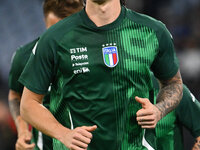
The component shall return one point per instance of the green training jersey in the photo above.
(19, 60)
(96, 72)
(169, 129)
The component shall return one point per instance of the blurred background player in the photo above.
(169, 130)
(54, 11)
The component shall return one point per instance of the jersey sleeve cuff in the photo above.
(169, 75)
(16, 89)
(31, 88)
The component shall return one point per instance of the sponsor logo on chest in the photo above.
(79, 59)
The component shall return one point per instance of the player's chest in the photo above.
(90, 51)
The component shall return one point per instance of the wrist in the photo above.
(61, 132)
(159, 112)
(22, 126)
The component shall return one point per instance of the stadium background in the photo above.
(21, 21)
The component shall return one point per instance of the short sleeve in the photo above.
(188, 112)
(165, 65)
(38, 72)
(15, 72)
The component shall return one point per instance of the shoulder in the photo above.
(27, 48)
(147, 21)
(23, 52)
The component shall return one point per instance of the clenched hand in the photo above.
(79, 138)
(149, 115)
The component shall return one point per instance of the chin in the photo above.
(99, 1)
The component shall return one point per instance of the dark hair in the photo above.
(123, 2)
(62, 8)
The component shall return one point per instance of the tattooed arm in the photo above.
(170, 94)
(14, 105)
(168, 98)
(24, 135)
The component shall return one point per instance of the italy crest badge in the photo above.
(110, 56)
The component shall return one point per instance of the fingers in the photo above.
(148, 126)
(80, 144)
(22, 145)
(144, 101)
(27, 139)
(140, 100)
(90, 128)
(81, 137)
(144, 112)
(74, 147)
(30, 146)
(147, 121)
(25, 146)
(23, 142)
(148, 116)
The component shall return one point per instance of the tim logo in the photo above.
(110, 56)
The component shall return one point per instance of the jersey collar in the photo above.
(90, 24)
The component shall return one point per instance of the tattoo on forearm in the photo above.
(170, 95)
(14, 106)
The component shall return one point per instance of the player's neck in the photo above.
(103, 14)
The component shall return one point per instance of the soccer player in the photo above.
(54, 11)
(99, 62)
(169, 129)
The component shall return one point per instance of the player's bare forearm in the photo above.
(38, 116)
(14, 106)
(24, 135)
(170, 94)
(14, 103)
(197, 144)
